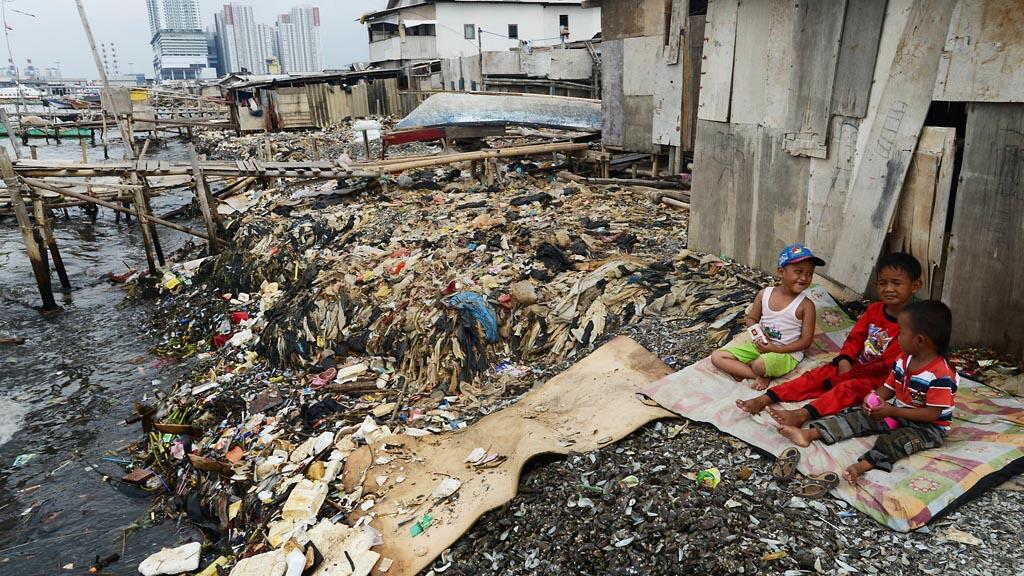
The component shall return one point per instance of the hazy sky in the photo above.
(54, 34)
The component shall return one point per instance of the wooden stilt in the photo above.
(112, 205)
(33, 152)
(206, 202)
(146, 193)
(38, 266)
(142, 213)
(45, 233)
(90, 209)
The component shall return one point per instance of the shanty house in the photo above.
(415, 31)
(862, 126)
(285, 102)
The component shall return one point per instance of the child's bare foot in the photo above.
(754, 405)
(800, 436)
(789, 417)
(762, 383)
(854, 472)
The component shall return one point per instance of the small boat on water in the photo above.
(20, 93)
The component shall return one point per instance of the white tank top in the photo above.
(782, 327)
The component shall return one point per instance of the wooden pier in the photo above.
(46, 185)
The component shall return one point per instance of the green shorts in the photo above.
(775, 364)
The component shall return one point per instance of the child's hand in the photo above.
(766, 348)
(881, 411)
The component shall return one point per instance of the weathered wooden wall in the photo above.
(983, 60)
(651, 59)
(984, 279)
(742, 204)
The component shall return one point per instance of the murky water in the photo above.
(65, 393)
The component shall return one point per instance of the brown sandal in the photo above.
(785, 464)
(818, 485)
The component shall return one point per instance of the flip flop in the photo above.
(817, 486)
(785, 464)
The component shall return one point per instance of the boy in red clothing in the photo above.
(865, 359)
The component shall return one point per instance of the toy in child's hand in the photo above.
(873, 401)
(757, 334)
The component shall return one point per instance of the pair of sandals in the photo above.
(814, 486)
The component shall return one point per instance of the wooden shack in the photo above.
(650, 66)
(868, 125)
(312, 101)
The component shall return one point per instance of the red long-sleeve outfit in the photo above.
(871, 347)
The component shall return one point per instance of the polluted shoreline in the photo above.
(347, 314)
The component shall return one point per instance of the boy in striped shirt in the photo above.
(923, 385)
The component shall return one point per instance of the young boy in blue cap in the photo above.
(786, 317)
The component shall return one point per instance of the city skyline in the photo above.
(125, 24)
(292, 45)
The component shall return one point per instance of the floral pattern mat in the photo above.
(986, 437)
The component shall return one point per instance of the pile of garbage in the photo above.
(338, 140)
(340, 316)
(543, 268)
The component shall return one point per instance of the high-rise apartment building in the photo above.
(292, 45)
(300, 48)
(243, 46)
(179, 43)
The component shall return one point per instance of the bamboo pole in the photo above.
(43, 185)
(38, 267)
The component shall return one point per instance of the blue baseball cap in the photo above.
(798, 253)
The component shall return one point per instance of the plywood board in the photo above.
(631, 19)
(502, 63)
(983, 53)
(984, 279)
(691, 81)
(571, 65)
(819, 26)
(716, 72)
(588, 406)
(668, 103)
(612, 103)
(913, 227)
(862, 30)
(636, 133)
(828, 184)
(903, 104)
(676, 25)
(940, 214)
(763, 62)
(747, 195)
(641, 65)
